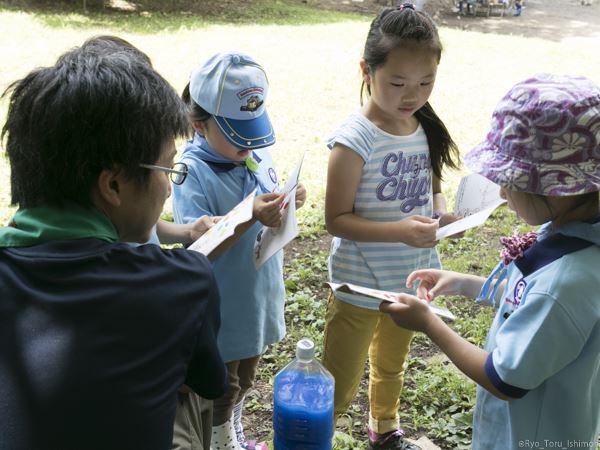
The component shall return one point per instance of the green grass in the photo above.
(173, 16)
(438, 399)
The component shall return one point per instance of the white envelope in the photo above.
(476, 198)
(384, 296)
(225, 228)
(270, 240)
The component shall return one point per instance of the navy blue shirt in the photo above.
(95, 340)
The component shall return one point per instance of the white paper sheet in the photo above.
(385, 296)
(476, 198)
(270, 240)
(475, 193)
(225, 227)
(472, 221)
(294, 177)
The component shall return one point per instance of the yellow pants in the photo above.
(352, 333)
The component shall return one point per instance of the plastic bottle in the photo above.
(303, 403)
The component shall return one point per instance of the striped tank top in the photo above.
(395, 184)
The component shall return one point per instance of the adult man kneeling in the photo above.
(97, 336)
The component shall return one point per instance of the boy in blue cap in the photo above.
(227, 160)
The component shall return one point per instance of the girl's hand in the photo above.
(448, 218)
(267, 209)
(418, 231)
(201, 226)
(300, 195)
(434, 282)
(409, 312)
(443, 282)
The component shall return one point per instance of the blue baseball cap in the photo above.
(233, 88)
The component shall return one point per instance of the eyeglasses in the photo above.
(177, 173)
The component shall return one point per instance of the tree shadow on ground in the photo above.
(553, 20)
(153, 16)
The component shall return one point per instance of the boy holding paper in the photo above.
(227, 160)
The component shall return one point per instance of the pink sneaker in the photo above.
(393, 440)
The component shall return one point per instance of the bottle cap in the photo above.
(305, 350)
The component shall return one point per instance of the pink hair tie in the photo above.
(406, 5)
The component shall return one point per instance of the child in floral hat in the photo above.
(539, 373)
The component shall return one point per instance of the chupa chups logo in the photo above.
(252, 104)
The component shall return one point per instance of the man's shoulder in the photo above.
(175, 258)
(102, 268)
(176, 272)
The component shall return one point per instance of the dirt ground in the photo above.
(554, 20)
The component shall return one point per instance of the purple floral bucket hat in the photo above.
(545, 138)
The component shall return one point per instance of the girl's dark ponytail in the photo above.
(443, 150)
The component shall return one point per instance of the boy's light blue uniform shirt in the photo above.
(252, 301)
(544, 345)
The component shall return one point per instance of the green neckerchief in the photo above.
(251, 164)
(41, 224)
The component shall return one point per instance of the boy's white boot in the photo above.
(224, 437)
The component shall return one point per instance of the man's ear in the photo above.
(199, 126)
(364, 70)
(110, 186)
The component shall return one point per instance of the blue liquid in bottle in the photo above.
(303, 403)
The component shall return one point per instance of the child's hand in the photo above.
(419, 231)
(267, 209)
(201, 226)
(448, 218)
(300, 195)
(409, 312)
(434, 282)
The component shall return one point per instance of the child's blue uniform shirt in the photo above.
(252, 301)
(544, 348)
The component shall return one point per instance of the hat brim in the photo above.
(544, 179)
(247, 134)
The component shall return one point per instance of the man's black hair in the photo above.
(89, 112)
(111, 44)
